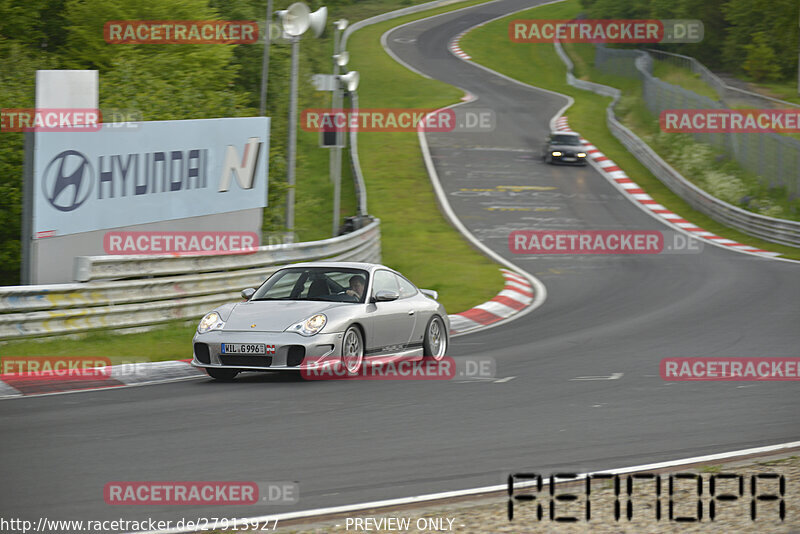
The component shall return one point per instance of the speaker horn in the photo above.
(350, 80)
(295, 19)
(317, 21)
(342, 58)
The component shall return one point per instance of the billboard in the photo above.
(147, 172)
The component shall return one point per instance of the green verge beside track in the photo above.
(540, 66)
(416, 238)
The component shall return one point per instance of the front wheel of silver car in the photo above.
(353, 350)
(435, 342)
(222, 374)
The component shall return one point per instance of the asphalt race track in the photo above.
(350, 442)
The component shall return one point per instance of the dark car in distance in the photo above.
(564, 147)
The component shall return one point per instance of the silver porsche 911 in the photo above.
(317, 315)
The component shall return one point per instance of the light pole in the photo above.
(295, 21)
(340, 59)
(349, 82)
(265, 60)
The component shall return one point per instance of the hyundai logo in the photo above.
(68, 180)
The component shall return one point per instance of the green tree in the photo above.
(37, 24)
(776, 20)
(18, 67)
(760, 62)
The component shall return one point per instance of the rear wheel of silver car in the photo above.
(435, 343)
(353, 350)
(222, 374)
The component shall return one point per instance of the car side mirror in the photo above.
(247, 293)
(386, 295)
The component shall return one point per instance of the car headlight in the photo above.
(310, 326)
(581, 154)
(556, 153)
(211, 321)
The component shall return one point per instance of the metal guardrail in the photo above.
(768, 228)
(393, 15)
(355, 163)
(197, 284)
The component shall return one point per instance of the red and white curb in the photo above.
(456, 49)
(515, 296)
(616, 175)
(115, 376)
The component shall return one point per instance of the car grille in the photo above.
(201, 352)
(295, 355)
(244, 360)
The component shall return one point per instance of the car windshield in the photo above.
(562, 139)
(333, 284)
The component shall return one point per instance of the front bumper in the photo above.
(569, 159)
(292, 352)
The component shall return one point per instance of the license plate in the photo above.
(570, 159)
(244, 348)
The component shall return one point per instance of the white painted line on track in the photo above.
(8, 392)
(486, 489)
(614, 376)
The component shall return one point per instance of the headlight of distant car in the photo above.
(581, 154)
(556, 153)
(212, 321)
(310, 326)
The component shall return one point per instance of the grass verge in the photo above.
(683, 78)
(539, 65)
(173, 341)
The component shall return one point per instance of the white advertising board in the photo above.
(144, 172)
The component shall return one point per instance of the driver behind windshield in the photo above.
(356, 287)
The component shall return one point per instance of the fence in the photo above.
(729, 95)
(632, 62)
(774, 158)
(135, 291)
